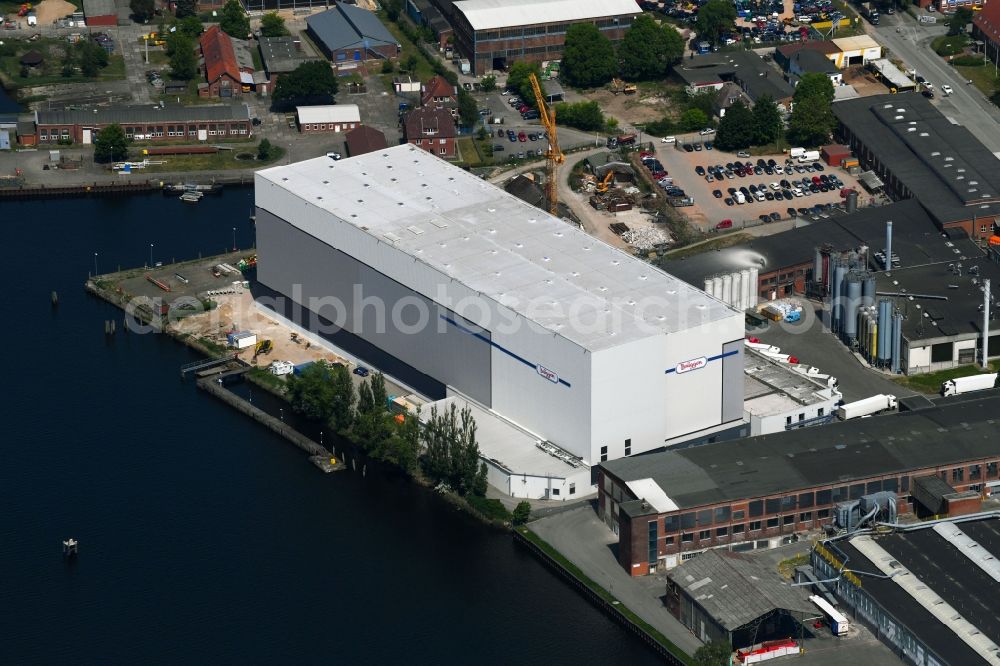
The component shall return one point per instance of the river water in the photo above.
(203, 536)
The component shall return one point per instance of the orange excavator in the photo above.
(609, 179)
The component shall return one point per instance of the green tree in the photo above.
(648, 50)
(693, 119)
(488, 83)
(715, 18)
(234, 21)
(183, 63)
(110, 144)
(452, 453)
(311, 393)
(312, 79)
(588, 57)
(264, 149)
(388, 66)
(142, 10)
(272, 25)
(959, 21)
(518, 80)
(191, 26)
(814, 84)
(812, 120)
(468, 110)
(411, 62)
(185, 8)
(92, 57)
(704, 102)
(736, 129)
(715, 653)
(342, 416)
(405, 444)
(522, 512)
(767, 124)
(586, 116)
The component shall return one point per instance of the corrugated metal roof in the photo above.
(736, 590)
(145, 114)
(493, 14)
(94, 8)
(329, 113)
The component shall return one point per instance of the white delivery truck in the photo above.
(809, 156)
(867, 407)
(961, 385)
(796, 152)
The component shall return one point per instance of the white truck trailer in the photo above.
(962, 385)
(867, 407)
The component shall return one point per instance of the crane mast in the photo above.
(553, 156)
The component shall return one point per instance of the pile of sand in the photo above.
(50, 10)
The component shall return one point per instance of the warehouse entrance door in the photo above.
(86, 136)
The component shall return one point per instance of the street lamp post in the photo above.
(95, 264)
(234, 239)
(150, 255)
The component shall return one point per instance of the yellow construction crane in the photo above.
(554, 157)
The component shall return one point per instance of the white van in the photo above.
(740, 199)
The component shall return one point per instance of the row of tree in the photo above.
(740, 127)
(233, 19)
(325, 393)
(647, 51)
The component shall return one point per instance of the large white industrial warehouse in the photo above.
(461, 290)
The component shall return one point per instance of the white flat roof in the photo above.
(856, 43)
(329, 113)
(506, 250)
(506, 444)
(491, 14)
(650, 491)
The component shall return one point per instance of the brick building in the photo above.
(493, 34)
(225, 74)
(100, 13)
(760, 492)
(363, 140)
(328, 118)
(986, 27)
(195, 123)
(432, 129)
(438, 93)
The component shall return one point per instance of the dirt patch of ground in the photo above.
(642, 107)
(864, 82)
(48, 11)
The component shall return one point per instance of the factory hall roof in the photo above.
(329, 113)
(943, 165)
(346, 27)
(735, 589)
(754, 75)
(281, 55)
(504, 249)
(813, 61)
(494, 14)
(145, 114)
(943, 585)
(838, 453)
(93, 8)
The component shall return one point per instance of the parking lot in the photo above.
(710, 205)
(500, 108)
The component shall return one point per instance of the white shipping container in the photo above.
(866, 407)
(962, 385)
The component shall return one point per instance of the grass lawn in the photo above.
(931, 382)
(50, 71)
(470, 156)
(258, 64)
(604, 594)
(423, 70)
(157, 58)
(984, 78)
(949, 44)
(224, 159)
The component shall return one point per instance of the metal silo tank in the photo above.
(738, 292)
(837, 301)
(852, 201)
(818, 266)
(717, 287)
(708, 286)
(884, 330)
(727, 288)
(754, 286)
(747, 289)
(868, 291)
(897, 341)
(851, 306)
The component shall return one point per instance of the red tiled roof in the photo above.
(988, 20)
(438, 122)
(437, 87)
(220, 57)
(364, 139)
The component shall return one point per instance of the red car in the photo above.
(847, 190)
(725, 224)
(523, 108)
(522, 137)
(816, 180)
(659, 174)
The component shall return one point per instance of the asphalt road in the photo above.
(966, 106)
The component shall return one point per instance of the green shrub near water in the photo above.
(492, 509)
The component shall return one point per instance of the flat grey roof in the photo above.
(754, 75)
(145, 114)
(944, 166)
(283, 54)
(501, 247)
(735, 589)
(838, 453)
(99, 8)
(495, 14)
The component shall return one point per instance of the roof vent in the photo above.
(972, 182)
(949, 159)
(935, 153)
(924, 133)
(898, 118)
(911, 129)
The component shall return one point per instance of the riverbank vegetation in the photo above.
(442, 452)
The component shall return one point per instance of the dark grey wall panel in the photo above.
(360, 299)
(732, 381)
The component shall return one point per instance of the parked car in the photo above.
(946, 89)
(725, 224)
(522, 137)
(362, 371)
(498, 148)
(707, 131)
(668, 139)
(717, 194)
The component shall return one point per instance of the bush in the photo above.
(663, 127)
(949, 45)
(264, 150)
(968, 61)
(491, 509)
(522, 512)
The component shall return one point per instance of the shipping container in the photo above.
(962, 385)
(834, 155)
(241, 339)
(866, 407)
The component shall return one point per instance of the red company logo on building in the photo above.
(693, 364)
(548, 374)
